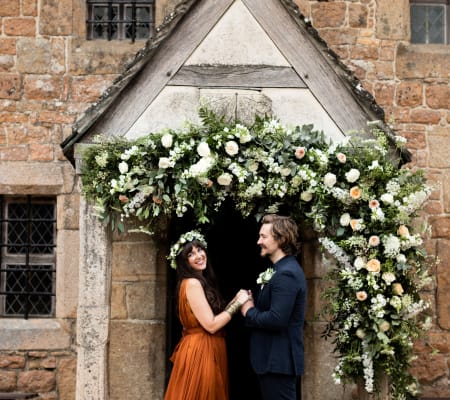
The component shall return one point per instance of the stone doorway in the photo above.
(235, 258)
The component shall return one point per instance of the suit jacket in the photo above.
(276, 321)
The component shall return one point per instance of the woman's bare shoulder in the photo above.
(193, 283)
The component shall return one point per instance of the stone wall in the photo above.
(137, 348)
(50, 373)
(412, 84)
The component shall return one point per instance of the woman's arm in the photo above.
(202, 310)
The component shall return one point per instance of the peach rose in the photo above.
(300, 152)
(355, 192)
(384, 326)
(157, 200)
(342, 158)
(403, 231)
(361, 295)
(355, 224)
(123, 198)
(373, 265)
(397, 289)
(374, 241)
(374, 204)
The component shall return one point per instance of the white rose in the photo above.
(253, 166)
(164, 162)
(245, 137)
(352, 175)
(285, 171)
(306, 196)
(329, 179)
(203, 149)
(360, 333)
(401, 259)
(387, 198)
(123, 167)
(224, 179)
(231, 148)
(359, 263)
(345, 219)
(167, 140)
(388, 277)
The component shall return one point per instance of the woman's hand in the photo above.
(242, 296)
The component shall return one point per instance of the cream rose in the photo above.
(224, 179)
(329, 179)
(306, 196)
(352, 175)
(164, 162)
(231, 148)
(285, 171)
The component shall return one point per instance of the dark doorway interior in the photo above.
(235, 258)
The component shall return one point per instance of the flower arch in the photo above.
(354, 194)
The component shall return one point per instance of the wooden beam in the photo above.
(244, 76)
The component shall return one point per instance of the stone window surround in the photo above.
(22, 178)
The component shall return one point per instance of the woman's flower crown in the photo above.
(178, 246)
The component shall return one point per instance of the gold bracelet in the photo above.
(233, 307)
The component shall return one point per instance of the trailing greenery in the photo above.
(353, 194)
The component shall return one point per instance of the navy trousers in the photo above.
(278, 387)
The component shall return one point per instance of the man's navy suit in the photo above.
(276, 322)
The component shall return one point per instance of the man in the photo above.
(276, 321)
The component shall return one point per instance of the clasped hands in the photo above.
(245, 298)
(242, 298)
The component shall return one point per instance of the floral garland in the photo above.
(353, 194)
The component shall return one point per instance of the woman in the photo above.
(200, 366)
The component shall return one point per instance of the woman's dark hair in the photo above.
(207, 278)
(285, 232)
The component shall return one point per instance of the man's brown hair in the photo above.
(284, 231)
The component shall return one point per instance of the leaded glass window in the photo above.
(120, 19)
(430, 21)
(28, 256)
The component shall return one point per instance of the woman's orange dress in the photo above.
(200, 366)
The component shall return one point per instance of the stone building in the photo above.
(101, 326)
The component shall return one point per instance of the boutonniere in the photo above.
(265, 276)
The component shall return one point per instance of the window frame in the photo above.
(446, 4)
(29, 260)
(121, 22)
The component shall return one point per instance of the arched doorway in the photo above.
(235, 257)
